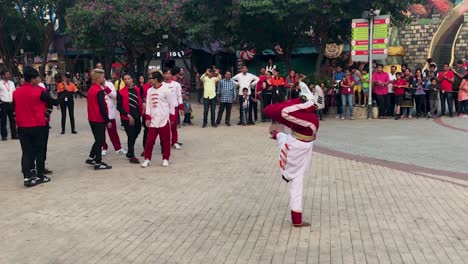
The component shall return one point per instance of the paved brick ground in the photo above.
(221, 201)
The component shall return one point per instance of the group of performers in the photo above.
(155, 107)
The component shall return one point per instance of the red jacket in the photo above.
(146, 87)
(300, 117)
(29, 109)
(94, 107)
(126, 104)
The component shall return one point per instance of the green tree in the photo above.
(137, 27)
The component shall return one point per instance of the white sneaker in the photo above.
(165, 163)
(177, 146)
(145, 164)
(103, 152)
(121, 152)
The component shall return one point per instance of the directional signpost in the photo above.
(360, 38)
(370, 42)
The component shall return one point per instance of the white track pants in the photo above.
(294, 161)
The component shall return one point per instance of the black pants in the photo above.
(253, 112)
(70, 104)
(209, 105)
(132, 135)
(145, 131)
(228, 107)
(420, 104)
(382, 102)
(391, 104)
(338, 103)
(187, 118)
(463, 107)
(281, 94)
(446, 97)
(99, 132)
(199, 95)
(7, 111)
(33, 145)
(267, 98)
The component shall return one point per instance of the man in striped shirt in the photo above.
(226, 92)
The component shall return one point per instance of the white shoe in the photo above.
(103, 152)
(121, 152)
(165, 163)
(145, 164)
(177, 146)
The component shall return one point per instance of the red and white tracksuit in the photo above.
(176, 94)
(111, 108)
(159, 103)
(296, 148)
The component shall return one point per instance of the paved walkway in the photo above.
(222, 201)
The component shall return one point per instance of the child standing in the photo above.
(399, 86)
(245, 104)
(187, 109)
(365, 86)
(433, 93)
(463, 97)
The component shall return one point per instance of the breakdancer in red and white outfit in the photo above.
(159, 103)
(296, 147)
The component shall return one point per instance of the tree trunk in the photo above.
(318, 65)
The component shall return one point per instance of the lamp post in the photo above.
(371, 15)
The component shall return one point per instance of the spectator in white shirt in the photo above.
(391, 94)
(7, 87)
(244, 80)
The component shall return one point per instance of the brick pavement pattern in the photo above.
(222, 201)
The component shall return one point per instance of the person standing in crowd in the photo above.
(357, 75)
(391, 92)
(278, 83)
(267, 93)
(47, 114)
(459, 72)
(365, 85)
(347, 85)
(129, 105)
(399, 86)
(430, 74)
(408, 100)
(446, 79)
(433, 91)
(30, 106)
(419, 91)
(118, 81)
(144, 92)
(463, 97)
(198, 87)
(226, 93)
(50, 81)
(380, 79)
(141, 82)
(187, 109)
(66, 91)
(337, 77)
(209, 79)
(290, 83)
(317, 93)
(7, 108)
(245, 106)
(182, 79)
(111, 109)
(78, 83)
(176, 90)
(159, 102)
(244, 79)
(261, 79)
(98, 118)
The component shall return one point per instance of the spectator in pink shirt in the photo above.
(380, 80)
